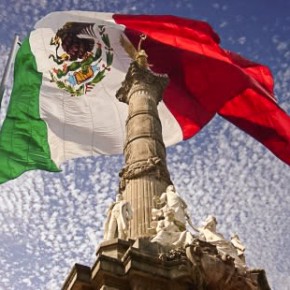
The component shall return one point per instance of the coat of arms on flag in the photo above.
(86, 56)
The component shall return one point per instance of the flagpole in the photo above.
(8, 67)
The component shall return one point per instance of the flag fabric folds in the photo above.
(68, 70)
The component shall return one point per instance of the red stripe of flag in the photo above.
(206, 79)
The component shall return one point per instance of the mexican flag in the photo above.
(68, 70)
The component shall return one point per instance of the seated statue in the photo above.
(167, 230)
(208, 231)
(169, 234)
(225, 248)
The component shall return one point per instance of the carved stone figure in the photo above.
(235, 240)
(167, 231)
(226, 250)
(185, 238)
(118, 217)
(170, 199)
(169, 234)
(208, 230)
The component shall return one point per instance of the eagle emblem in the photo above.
(83, 55)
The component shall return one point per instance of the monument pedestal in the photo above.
(142, 265)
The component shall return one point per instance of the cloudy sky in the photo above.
(50, 221)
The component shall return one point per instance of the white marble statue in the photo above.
(185, 238)
(118, 217)
(209, 233)
(208, 230)
(171, 199)
(169, 234)
(167, 231)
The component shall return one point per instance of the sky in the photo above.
(49, 221)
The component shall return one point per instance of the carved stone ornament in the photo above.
(140, 168)
(140, 78)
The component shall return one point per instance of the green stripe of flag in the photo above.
(23, 137)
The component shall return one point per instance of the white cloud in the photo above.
(242, 40)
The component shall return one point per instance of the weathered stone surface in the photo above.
(140, 264)
(78, 279)
(145, 172)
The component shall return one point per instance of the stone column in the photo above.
(145, 172)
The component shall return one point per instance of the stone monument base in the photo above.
(142, 265)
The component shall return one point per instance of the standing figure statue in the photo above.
(173, 200)
(118, 217)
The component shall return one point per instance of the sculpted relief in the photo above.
(171, 222)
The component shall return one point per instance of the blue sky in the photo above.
(50, 221)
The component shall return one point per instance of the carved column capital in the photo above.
(142, 79)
